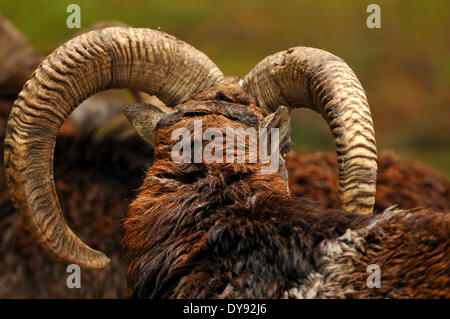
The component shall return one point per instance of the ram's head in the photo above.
(186, 80)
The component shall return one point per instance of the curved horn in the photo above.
(313, 78)
(140, 59)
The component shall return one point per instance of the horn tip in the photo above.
(98, 262)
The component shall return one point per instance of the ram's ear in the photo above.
(280, 119)
(144, 118)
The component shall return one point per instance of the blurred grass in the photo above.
(404, 66)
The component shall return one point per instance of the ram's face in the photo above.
(204, 132)
(220, 130)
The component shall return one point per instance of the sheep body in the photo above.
(262, 249)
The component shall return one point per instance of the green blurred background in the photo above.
(404, 66)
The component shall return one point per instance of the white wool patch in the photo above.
(334, 268)
(337, 261)
(387, 214)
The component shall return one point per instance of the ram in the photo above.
(213, 229)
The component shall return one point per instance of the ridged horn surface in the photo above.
(140, 59)
(316, 79)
